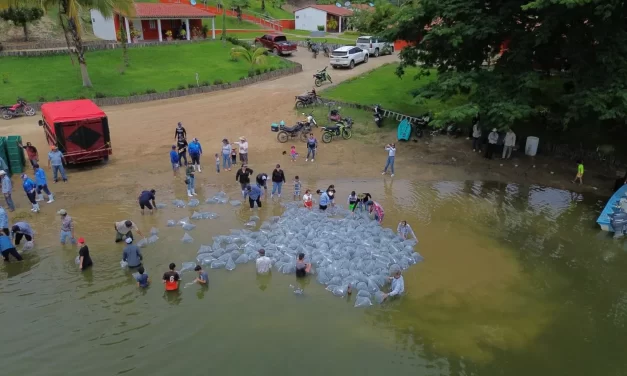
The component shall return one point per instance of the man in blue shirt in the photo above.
(132, 255)
(7, 248)
(325, 200)
(42, 184)
(142, 277)
(145, 198)
(174, 159)
(195, 151)
(254, 194)
(4, 221)
(30, 188)
(7, 189)
(55, 159)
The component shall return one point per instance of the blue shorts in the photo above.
(175, 166)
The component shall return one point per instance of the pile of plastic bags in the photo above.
(345, 249)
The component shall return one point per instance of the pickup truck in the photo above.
(277, 43)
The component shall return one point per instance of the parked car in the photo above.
(277, 43)
(348, 56)
(375, 45)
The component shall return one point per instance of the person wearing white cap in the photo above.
(67, 227)
(493, 138)
(7, 189)
(243, 149)
(132, 255)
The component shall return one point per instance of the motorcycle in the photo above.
(308, 99)
(302, 128)
(338, 129)
(311, 121)
(321, 76)
(18, 109)
(378, 115)
(421, 124)
(325, 49)
(334, 116)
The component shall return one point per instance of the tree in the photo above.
(374, 20)
(556, 63)
(22, 16)
(254, 57)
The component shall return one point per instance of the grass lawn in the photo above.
(255, 6)
(231, 23)
(382, 86)
(254, 34)
(155, 68)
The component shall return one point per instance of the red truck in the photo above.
(277, 43)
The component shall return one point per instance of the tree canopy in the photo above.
(561, 63)
(22, 16)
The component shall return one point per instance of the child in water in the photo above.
(296, 187)
(293, 153)
(217, 162)
(142, 277)
(352, 201)
(308, 199)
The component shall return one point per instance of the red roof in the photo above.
(331, 9)
(65, 111)
(169, 10)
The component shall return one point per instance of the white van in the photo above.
(374, 45)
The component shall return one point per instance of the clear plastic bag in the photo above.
(254, 218)
(178, 203)
(193, 203)
(211, 200)
(187, 267)
(183, 221)
(362, 302)
(123, 264)
(235, 203)
(364, 293)
(204, 249)
(160, 206)
(171, 223)
(196, 215)
(378, 297)
(154, 231)
(217, 264)
(230, 264)
(250, 224)
(187, 238)
(189, 226)
(242, 259)
(142, 243)
(152, 239)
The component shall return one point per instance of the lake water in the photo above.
(517, 280)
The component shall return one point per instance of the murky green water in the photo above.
(516, 281)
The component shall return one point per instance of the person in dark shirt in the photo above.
(362, 201)
(278, 178)
(179, 132)
(203, 277)
(302, 268)
(171, 278)
(262, 181)
(142, 277)
(243, 177)
(181, 144)
(145, 198)
(83, 255)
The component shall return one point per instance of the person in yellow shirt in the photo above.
(580, 170)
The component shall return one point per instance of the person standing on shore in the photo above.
(56, 159)
(580, 171)
(174, 160)
(243, 177)
(31, 191)
(42, 184)
(493, 138)
(195, 151)
(278, 178)
(31, 152)
(391, 149)
(226, 155)
(67, 227)
(312, 146)
(508, 146)
(7, 189)
(243, 149)
(181, 145)
(476, 136)
(180, 133)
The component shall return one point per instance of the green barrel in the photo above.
(16, 161)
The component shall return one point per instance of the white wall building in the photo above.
(104, 28)
(310, 17)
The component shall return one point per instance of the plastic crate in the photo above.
(17, 161)
(3, 153)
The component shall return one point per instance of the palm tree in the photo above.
(254, 57)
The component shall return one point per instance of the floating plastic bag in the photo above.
(153, 239)
(187, 267)
(250, 224)
(187, 238)
(254, 218)
(154, 231)
(196, 215)
(161, 206)
(362, 302)
(189, 226)
(193, 203)
(171, 223)
(77, 260)
(235, 203)
(183, 221)
(378, 297)
(364, 293)
(230, 265)
(178, 203)
(242, 259)
(211, 200)
(217, 264)
(142, 243)
(28, 246)
(204, 249)
(123, 264)
(221, 194)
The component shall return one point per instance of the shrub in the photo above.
(238, 42)
(272, 69)
(191, 86)
(150, 91)
(242, 78)
(97, 95)
(205, 83)
(5, 78)
(257, 71)
(251, 73)
(320, 27)
(218, 81)
(265, 70)
(42, 99)
(181, 87)
(172, 89)
(82, 97)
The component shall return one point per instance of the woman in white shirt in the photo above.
(308, 199)
(391, 149)
(405, 231)
(243, 149)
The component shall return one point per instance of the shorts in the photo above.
(352, 205)
(579, 175)
(147, 204)
(322, 207)
(296, 193)
(309, 205)
(175, 166)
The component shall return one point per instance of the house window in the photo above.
(152, 24)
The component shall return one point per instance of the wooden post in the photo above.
(159, 30)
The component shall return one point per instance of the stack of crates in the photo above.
(3, 152)
(15, 152)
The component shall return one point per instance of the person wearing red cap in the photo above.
(83, 255)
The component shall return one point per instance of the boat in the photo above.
(612, 207)
(404, 130)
